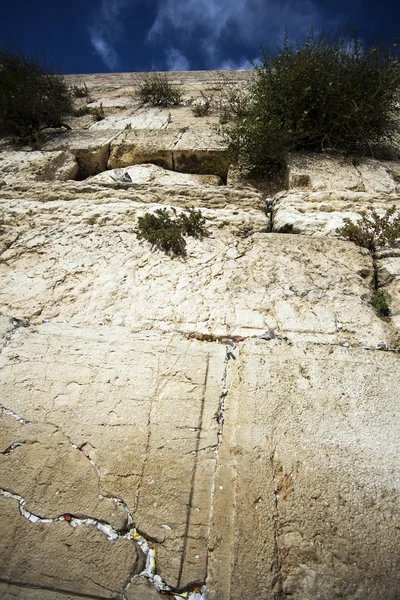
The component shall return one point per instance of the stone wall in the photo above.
(219, 425)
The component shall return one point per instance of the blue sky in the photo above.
(95, 36)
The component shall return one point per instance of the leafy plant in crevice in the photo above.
(372, 231)
(380, 303)
(80, 91)
(81, 111)
(32, 97)
(329, 94)
(167, 232)
(156, 89)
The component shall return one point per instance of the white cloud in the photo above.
(244, 20)
(106, 29)
(230, 65)
(176, 61)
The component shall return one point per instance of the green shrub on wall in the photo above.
(168, 233)
(156, 89)
(329, 94)
(32, 97)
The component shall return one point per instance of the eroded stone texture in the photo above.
(58, 556)
(318, 172)
(15, 592)
(272, 474)
(86, 265)
(153, 175)
(323, 213)
(54, 477)
(308, 479)
(90, 148)
(37, 166)
(141, 407)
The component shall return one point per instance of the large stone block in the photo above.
(322, 213)
(16, 167)
(306, 495)
(86, 265)
(97, 414)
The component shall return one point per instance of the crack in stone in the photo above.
(11, 448)
(12, 414)
(277, 583)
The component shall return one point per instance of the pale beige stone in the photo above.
(90, 148)
(306, 495)
(273, 473)
(142, 407)
(54, 477)
(388, 276)
(139, 146)
(319, 172)
(57, 556)
(15, 592)
(89, 267)
(322, 213)
(16, 166)
(153, 175)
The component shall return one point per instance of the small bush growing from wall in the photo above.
(372, 230)
(168, 233)
(32, 97)
(379, 302)
(156, 89)
(331, 94)
(80, 91)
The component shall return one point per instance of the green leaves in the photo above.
(372, 230)
(167, 233)
(157, 90)
(32, 97)
(331, 94)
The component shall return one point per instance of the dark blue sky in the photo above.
(94, 36)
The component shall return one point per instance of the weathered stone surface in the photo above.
(141, 407)
(15, 592)
(37, 166)
(141, 589)
(318, 172)
(388, 275)
(54, 477)
(220, 197)
(306, 495)
(323, 213)
(58, 556)
(153, 175)
(90, 148)
(228, 283)
(139, 146)
(271, 474)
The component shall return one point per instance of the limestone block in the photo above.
(88, 193)
(57, 556)
(323, 213)
(16, 592)
(40, 464)
(86, 265)
(143, 118)
(141, 408)
(318, 172)
(141, 589)
(306, 495)
(199, 151)
(139, 146)
(37, 166)
(153, 175)
(388, 264)
(90, 148)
